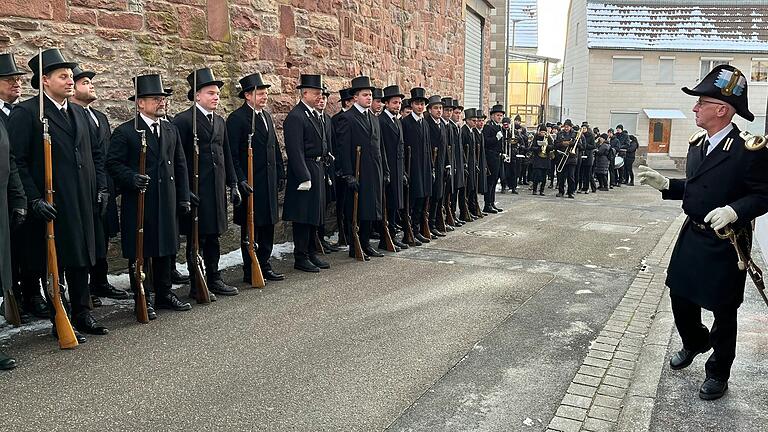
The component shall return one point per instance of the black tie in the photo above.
(210, 118)
(705, 147)
(66, 116)
(260, 122)
(155, 130)
(10, 107)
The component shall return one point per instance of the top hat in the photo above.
(470, 113)
(204, 78)
(498, 108)
(361, 83)
(149, 85)
(434, 100)
(251, 82)
(344, 94)
(457, 105)
(52, 60)
(310, 81)
(378, 93)
(568, 122)
(448, 102)
(8, 66)
(406, 103)
(479, 114)
(78, 73)
(727, 84)
(506, 120)
(390, 92)
(418, 94)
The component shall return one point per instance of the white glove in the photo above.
(720, 217)
(305, 186)
(650, 177)
(499, 135)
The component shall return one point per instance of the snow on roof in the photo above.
(678, 26)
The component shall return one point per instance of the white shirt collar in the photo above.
(715, 139)
(58, 106)
(389, 114)
(360, 108)
(148, 120)
(416, 116)
(309, 108)
(203, 110)
(437, 121)
(444, 120)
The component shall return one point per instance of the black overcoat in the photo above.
(564, 143)
(537, 161)
(602, 156)
(330, 162)
(482, 162)
(108, 225)
(493, 148)
(439, 143)
(458, 156)
(416, 140)
(394, 148)
(469, 146)
(11, 197)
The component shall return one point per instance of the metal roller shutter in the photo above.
(473, 60)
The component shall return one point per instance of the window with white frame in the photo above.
(707, 64)
(666, 70)
(626, 119)
(627, 69)
(759, 70)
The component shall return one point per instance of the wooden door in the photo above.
(658, 135)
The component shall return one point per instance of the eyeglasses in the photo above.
(702, 102)
(13, 79)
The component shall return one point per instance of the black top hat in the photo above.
(390, 92)
(434, 100)
(447, 102)
(251, 82)
(406, 103)
(457, 105)
(498, 108)
(728, 84)
(568, 122)
(361, 83)
(378, 93)
(8, 66)
(344, 94)
(149, 85)
(480, 115)
(310, 81)
(326, 92)
(470, 113)
(78, 73)
(52, 60)
(204, 78)
(418, 94)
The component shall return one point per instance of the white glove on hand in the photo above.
(305, 186)
(652, 178)
(720, 217)
(499, 135)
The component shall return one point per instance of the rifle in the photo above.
(64, 330)
(387, 236)
(11, 307)
(138, 270)
(425, 221)
(257, 278)
(342, 231)
(319, 244)
(448, 214)
(198, 277)
(407, 228)
(477, 180)
(355, 226)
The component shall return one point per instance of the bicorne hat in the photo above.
(728, 84)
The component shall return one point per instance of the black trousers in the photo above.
(304, 240)
(265, 239)
(568, 174)
(490, 194)
(629, 173)
(417, 213)
(696, 336)
(79, 294)
(510, 173)
(523, 171)
(210, 249)
(341, 199)
(603, 180)
(435, 204)
(539, 179)
(552, 171)
(160, 268)
(586, 179)
(393, 211)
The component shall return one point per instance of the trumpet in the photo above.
(570, 151)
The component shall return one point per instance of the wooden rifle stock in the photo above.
(407, 227)
(198, 276)
(11, 307)
(425, 220)
(355, 225)
(257, 278)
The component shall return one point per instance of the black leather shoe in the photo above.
(306, 265)
(400, 244)
(489, 210)
(683, 358)
(435, 232)
(415, 242)
(85, 323)
(498, 209)
(420, 238)
(109, 291)
(80, 338)
(328, 247)
(219, 287)
(6, 362)
(271, 275)
(559, 195)
(170, 301)
(151, 314)
(95, 301)
(449, 228)
(514, 192)
(36, 307)
(318, 262)
(368, 250)
(178, 278)
(713, 389)
(211, 296)
(541, 193)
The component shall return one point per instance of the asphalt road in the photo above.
(482, 330)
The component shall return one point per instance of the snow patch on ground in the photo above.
(576, 328)
(584, 291)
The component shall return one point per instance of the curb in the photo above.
(615, 387)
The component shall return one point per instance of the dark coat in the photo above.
(703, 267)
(11, 197)
(482, 162)
(354, 130)
(458, 156)
(168, 186)
(588, 149)
(564, 143)
(215, 168)
(620, 143)
(394, 148)
(78, 175)
(631, 150)
(330, 163)
(537, 161)
(416, 138)
(493, 148)
(438, 142)
(306, 145)
(602, 158)
(268, 167)
(470, 154)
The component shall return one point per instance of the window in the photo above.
(626, 119)
(759, 71)
(708, 63)
(627, 69)
(666, 69)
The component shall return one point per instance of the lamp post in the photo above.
(530, 12)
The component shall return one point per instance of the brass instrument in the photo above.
(543, 151)
(571, 150)
(754, 142)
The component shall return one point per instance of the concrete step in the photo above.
(660, 161)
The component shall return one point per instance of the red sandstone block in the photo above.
(272, 48)
(82, 16)
(121, 20)
(39, 9)
(111, 5)
(287, 22)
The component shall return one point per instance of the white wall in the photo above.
(576, 67)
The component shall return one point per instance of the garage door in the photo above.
(473, 60)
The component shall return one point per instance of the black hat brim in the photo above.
(299, 87)
(133, 98)
(741, 111)
(242, 93)
(48, 69)
(191, 94)
(388, 97)
(84, 74)
(9, 74)
(417, 99)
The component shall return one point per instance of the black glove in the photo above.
(281, 184)
(234, 196)
(352, 182)
(43, 210)
(245, 189)
(18, 216)
(194, 199)
(102, 199)
(140, 181)
(184, 207)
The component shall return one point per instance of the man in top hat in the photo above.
(482, 162)
(587, 160)
(459, 164)
(378, 104)
(494, 143)
(394, 150)
(449, 190)
(418, 148)
(306, 144)
(218, 182)
(359, 128)
(541, 149)
(439, 146)
(78, 179)
(405, 108)
(523, 151)
(165, 182)
(469, 142)
(345, 101)
(106, 225)
(329, 167)
(568, 148)
(511, 162)
(10, 84)
(726, 185)
(252, 125)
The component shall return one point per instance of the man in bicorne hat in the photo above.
(725, 186)
(253, 120)
(416, 139)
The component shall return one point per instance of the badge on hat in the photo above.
(727, 84)
(730, 82)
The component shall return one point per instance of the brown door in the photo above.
(658, 135)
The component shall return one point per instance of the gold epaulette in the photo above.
(697, 138)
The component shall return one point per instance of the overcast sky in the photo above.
(553, 19)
